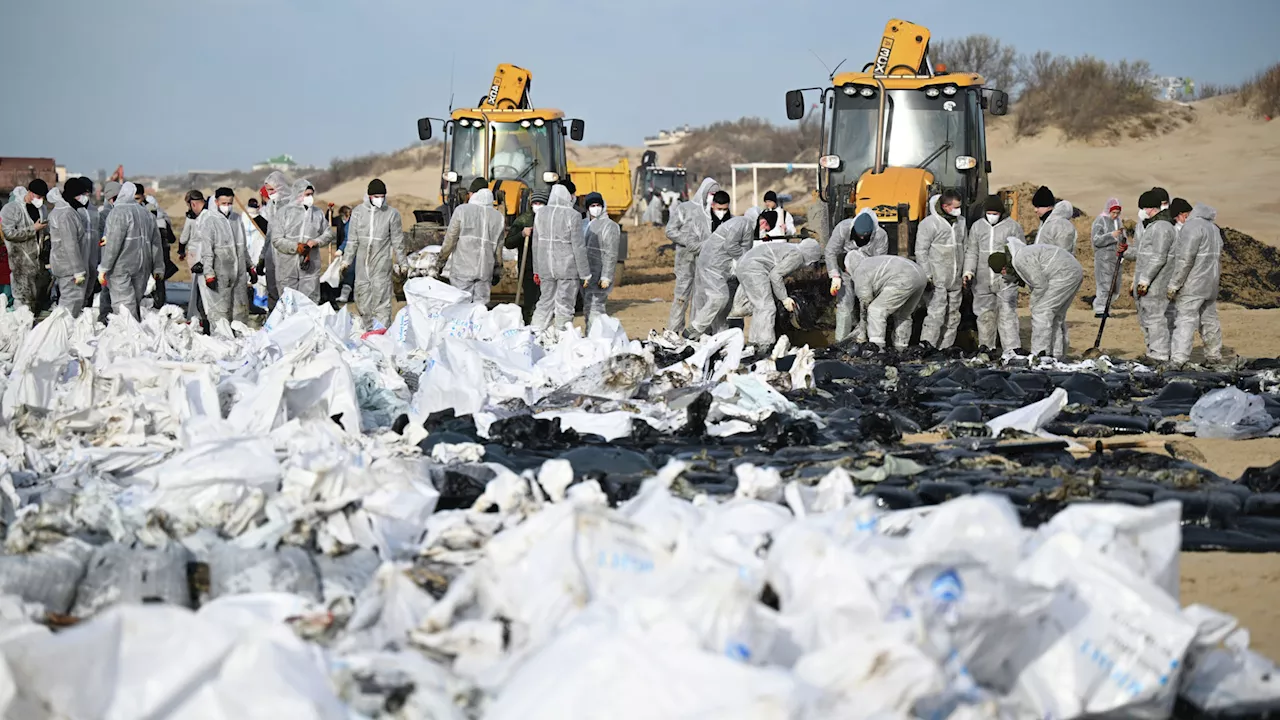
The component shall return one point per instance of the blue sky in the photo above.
(164, 86)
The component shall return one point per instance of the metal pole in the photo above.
(755, 187)
(733, 201)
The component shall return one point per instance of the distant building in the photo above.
(15, 171)
(1173, 89)
(667, 137)
(283, 163)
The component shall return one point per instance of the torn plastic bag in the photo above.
(121, 574)
(1146, 540)
(386, 611)
(1033, 417)
(48, 576)
(593, 664)
(833, 492)
(1110, 642)
(454, 379)
(1231, 413)
(39, 364)
(241, 571)
(1224, 677)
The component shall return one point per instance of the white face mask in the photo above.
(82, 199)
(377, 202)
(954, 212)
(37, 203)
(308, 200)
(253, 212)
(1164, 206)
(993, 219)
(595, 211)
(537, 208)
(721, 213)
(272, 195)
(224, 209)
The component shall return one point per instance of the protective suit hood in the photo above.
(1061, 211)
(811, 250)
(1203, 212)
(1106, 209)
(560, 197)
(126, 195)
(482, 197)
(56, 200)
(708, 188)
(295, 193)
(933, 205)
(18, 195)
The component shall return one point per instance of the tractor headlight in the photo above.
(464, 122)
(931, 92)
(867, 92)
(539, 122)
(830, 162)
(964, 162)
(949, 90)
(451, 176)
(850, 90)
(550, 177)
(525, 124)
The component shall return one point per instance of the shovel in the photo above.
(1094, 352)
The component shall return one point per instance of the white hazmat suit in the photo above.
(995, 300)
(717, 282)
(888, 286)
(940, 250)
(1054, 276)
(66, 256)
(1057, 228)
(132, 248)
(840, 244)
(688, 227)
(763, 271)
(224, 256)
(474, 244)
(1153, 269)
(603, 237)
(1107, 233)
(1194, 280)
(559, 259)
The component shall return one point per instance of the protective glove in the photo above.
(1122, 248)
(337, 253)
(604, 283)
(1142, 290)
(537, 280)
(1171, 293)
(586, 282)
(262, 266)
(211, 282)
(102, 242)
(496, 277)
(968, 278)
(102, 279)
(789, 304)
(835, 285)
(79, 278)
(253, 275)
(197, 269)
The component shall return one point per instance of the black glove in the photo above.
(197, 269)
(253, 275)
(182, 251)
(497, 275)
(262, 266)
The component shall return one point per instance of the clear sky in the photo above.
(163, 86)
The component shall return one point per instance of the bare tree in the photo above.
(982, 54)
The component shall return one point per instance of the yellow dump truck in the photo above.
(614, 185)
(900, 131)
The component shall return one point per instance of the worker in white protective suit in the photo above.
(1056, 227)
(1108, 245)
(560, 266)
(1193, 285)
(653, 211)
(995, 301)
(763, 272)
(888, 287)
(131, 250)
(940, 250)
(224, 259)
(474, 242)
(688, 227)
(278, 188)
(1151, 275)
(1054, 276)
(375, 248)
(786, 225)
(863, 233)
(717, 261)
(297, 232)
(603, 238)
(66, 259)
(91, 237)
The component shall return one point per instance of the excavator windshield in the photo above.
(919, 131)
(658, 180)
(522, 151)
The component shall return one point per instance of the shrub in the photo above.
(996, 62)
(710, 150)
(1082, 96)
(1262, 93)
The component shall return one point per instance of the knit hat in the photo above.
(476, 185)
(1043, 198)
(997, 261)
(539, 196)
(377, 187)
(720, 198)
(1149, 199)
(594, 198)
(1179, 206)
(1162, 195)
(993, 204)
(771, 196)
(769, 216)
(38, 187)
(863, 226)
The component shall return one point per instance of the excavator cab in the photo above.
(514, 147)
(899, 132)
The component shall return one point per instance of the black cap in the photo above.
(1161, 194)
(1043, 198)
(253, 202)
(539, 196)
(720, 198)
(594, 198)
(477, 184)
(997, 261)
(993, 204)
(377, 187)
(770, 216)
(39, 187)
(1179, 206)
(771, 196)
(1148, 200)
(864, 226)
